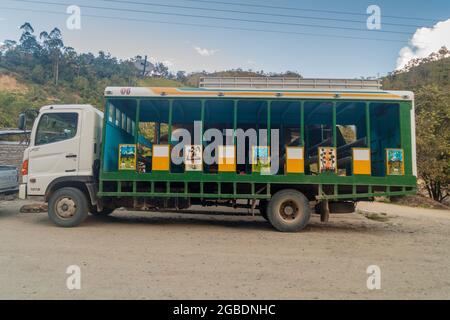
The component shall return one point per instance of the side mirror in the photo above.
(22, 123)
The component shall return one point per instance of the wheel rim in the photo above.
(289, 210)
(65, 208)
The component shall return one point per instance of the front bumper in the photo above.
(23, 191)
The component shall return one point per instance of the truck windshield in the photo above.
(54, 127)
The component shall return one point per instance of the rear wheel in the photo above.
(67, 207)
(288, 211)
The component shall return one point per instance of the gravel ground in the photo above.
(132, 255)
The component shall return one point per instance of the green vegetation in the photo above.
(429, 78)
(50, 72)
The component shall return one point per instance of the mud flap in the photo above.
(324, 210)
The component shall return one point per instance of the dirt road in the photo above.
(196, 256)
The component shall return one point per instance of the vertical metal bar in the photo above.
(401, 125)
(269, 104)
(158, 132)
(368, 124)
(334, 125)
(235, 124)
(235, 113)
(302, 124)
(203, 102)
(169, 129)
(136, 121)
(202, 115)
(202, 118)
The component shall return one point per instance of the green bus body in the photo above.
(114, 183)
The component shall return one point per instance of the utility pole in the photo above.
(145, 66)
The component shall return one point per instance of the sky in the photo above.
(319, 39)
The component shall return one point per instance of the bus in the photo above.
(286, 148)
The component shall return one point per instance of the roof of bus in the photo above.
(258, 93)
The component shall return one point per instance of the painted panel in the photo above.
(161, 157)
(295, 162)
(361, 161)
(227, 158)
(127, 157)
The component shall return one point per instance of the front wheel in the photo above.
(288, 211)
(68, 207)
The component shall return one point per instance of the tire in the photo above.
(68, 207)
(288, 211)
(262, 206)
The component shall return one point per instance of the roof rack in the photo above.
(287, 83)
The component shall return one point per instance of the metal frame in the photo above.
(389, 185)
(287, 83)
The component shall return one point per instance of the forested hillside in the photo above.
(429, 78)
(40, 69)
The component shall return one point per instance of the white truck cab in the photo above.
(64, 150)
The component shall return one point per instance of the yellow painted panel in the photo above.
(295, 166)
(160, 164)
(361, 167)
(227, 166)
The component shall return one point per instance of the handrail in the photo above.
(287, 83)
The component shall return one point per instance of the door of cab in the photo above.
(55, 149)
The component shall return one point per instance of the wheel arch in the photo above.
(83, 183)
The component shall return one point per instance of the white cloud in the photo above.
(205, 52)
(424, 42)
(168, 62)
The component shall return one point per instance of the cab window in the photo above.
(54, 127)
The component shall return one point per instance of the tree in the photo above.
(181, 76)
(161, 70)
(28, 42)
(433, 140)
(53, 44)
(38, 74)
